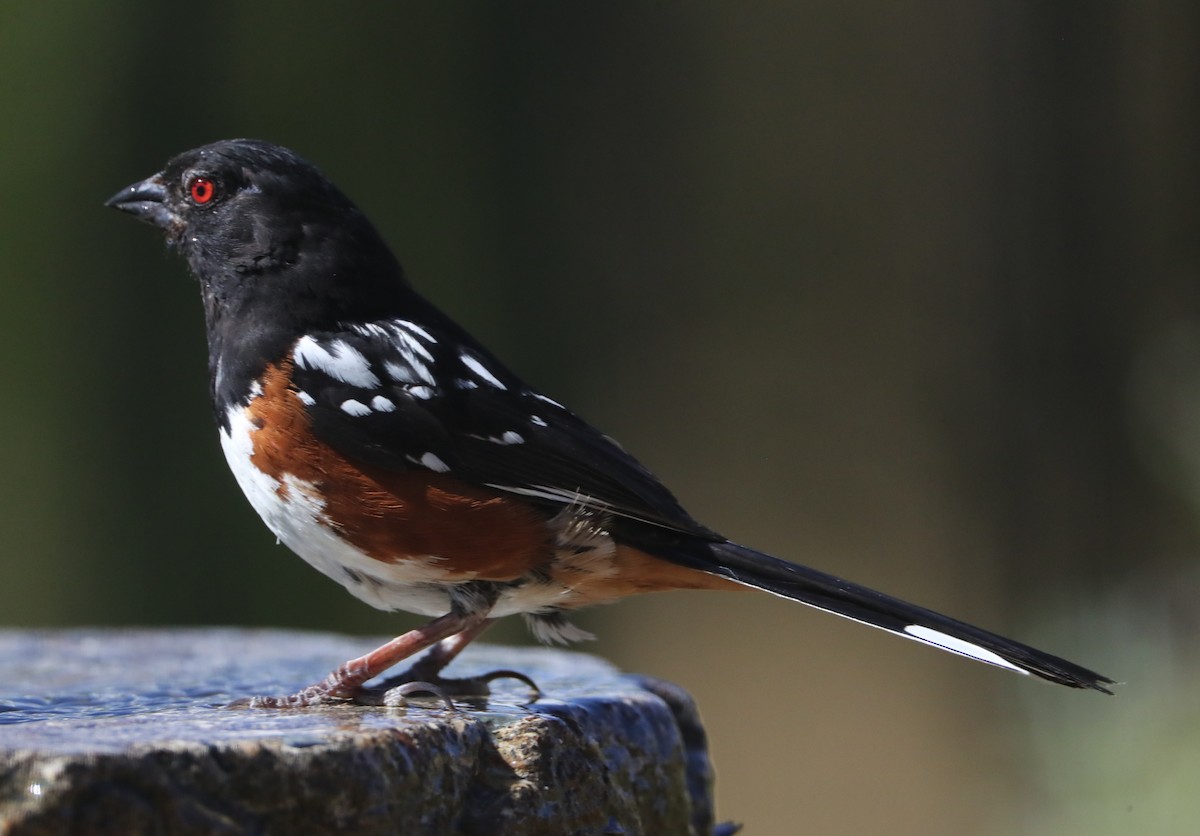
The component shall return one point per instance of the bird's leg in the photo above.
(430, 666)
(427, 670)
(346, 682)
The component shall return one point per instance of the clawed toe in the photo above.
(395, 692)
(314, 695)
(536, 694)
(466, 688)
(399, 695)
(448, 635)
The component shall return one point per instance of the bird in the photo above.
(388, 448)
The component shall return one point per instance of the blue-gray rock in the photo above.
(127, 732)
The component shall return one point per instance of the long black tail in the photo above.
(832, 594)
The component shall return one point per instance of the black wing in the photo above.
(425, 395)
(407, 395)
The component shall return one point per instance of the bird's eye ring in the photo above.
(202, 190)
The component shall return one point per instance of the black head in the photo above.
(279, 251)
(251, 217)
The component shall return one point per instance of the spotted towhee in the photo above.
(393, 452)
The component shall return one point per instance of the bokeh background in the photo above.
(907, 291)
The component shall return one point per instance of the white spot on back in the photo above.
(432, 462)
(355, 408)
(381, 404)
(538, 421)
(422, 392)
(956, 645)
(306, 399)
(463, 383)
(481, 370)
(340, 361)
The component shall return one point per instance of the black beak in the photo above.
(146, 201)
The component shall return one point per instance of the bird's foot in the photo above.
(396, 690)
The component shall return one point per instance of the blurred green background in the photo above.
(905, 291)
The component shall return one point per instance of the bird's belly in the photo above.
(580, 566)
(294, 512)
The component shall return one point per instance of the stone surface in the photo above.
(107, 732)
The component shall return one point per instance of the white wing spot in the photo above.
(544, 399)
(381, 404)
(406, 341)
(422, 392)
(553, 494)
(340, 361)
(399, 331)
(417, 371)
(538, 421)
(508, 437)
(434, 463)
(956, 645)
(463, 383)
(355, 408)
(371, 329)
(402, 373)
(481, 370)
(417, 329)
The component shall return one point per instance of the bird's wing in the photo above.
(404, 395)
(408, 396)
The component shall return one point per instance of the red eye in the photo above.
(203, 190)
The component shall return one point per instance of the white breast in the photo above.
(294, 511)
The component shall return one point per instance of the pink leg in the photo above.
(424, 675)
(444, 652)
(342, 684)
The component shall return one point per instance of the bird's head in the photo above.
(279, 252)
(258, 223)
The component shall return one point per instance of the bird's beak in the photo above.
(146, 201)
